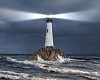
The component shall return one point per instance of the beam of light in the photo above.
(14, 15)
(88, 16)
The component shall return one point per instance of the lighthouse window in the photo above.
(47, 30)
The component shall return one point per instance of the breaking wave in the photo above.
(59, 60)
(39, 59)
(22, 76)
(51, 66)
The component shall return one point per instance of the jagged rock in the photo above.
(48, 53)
(3, 78)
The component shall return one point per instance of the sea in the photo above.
(20, 67)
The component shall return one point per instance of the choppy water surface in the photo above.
(70, 68)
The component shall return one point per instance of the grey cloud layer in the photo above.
(71, 36)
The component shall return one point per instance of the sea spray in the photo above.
(46, 65)
(22, 76)
(61, 59)
(39, 59)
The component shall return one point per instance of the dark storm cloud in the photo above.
(53, 6)
(71, 36)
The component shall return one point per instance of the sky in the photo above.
(73, 37)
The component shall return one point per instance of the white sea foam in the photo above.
(91, 77)
(13, 75)
(22, 76)
(39, 59)
(67, 70)
(11, 59)
(17, 61)
(44, 65)
(62, 59)
(59, 60)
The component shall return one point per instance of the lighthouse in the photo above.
(48, 52)
(49, 32)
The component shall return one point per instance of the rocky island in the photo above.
(48, 53)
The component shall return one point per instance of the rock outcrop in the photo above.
(4, 78)
(48, 53)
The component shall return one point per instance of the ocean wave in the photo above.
(42, 65)
(98, 65)
(12, 75)
(19, 66)
(45, 65)
(58, 61)
(22, 76)
(89, 74)
(17, 61)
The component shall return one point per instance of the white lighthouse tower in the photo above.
(49, 33)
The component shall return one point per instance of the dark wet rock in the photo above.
(3, 78)
(48, 53)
